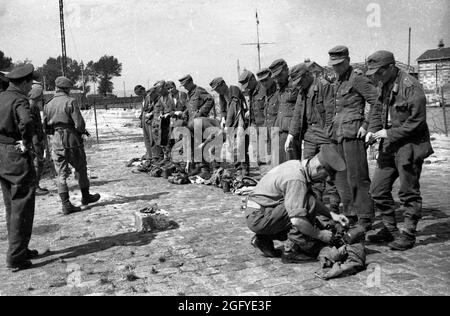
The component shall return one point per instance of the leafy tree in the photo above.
(106, 68)
(5, 62)
(52, 70)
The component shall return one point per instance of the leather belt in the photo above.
(253, 205)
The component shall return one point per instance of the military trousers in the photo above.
(17, 178)
(146, 128)
(353, 184)
(389, 169)
(39, 160)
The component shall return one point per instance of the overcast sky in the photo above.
(166, 39)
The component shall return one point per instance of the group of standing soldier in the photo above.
(23, 142)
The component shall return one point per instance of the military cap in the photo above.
(264, 74)
(278, 66)
(337, 55)
(63, 82)
(170, 84)
(296, 73)
(3, 78)
(36, 91)
(216, 82)
(330, 159)
(185, 80)
(379, 59)
(21, 72)
(245, 78)
(159, 84)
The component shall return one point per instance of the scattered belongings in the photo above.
(151, 218)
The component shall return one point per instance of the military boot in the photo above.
(67, 207)
(404, 241)
(87, 198)
(265, 245)
(384, 235)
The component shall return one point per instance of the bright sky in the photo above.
(166, 39)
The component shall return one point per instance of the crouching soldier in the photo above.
(283, 207)
(63, 119)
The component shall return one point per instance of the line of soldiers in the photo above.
(22, 146)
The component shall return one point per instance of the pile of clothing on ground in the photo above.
(220, 175)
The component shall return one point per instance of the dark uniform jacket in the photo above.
(346, 114)
(199, 103)
(310, 112)
(271, 106)
(257, 106)
(36, 106)
(16, 123)
(233, 110)
(180, 101)
(161, 126)
(287, 98)
(402, 111)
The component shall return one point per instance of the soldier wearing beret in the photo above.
(255, 91)
(308, 123)
(17, 174)
(283, 207)
(63, 120)
(401, 125)
(36, 97)
(287, 98)
(348, 127)
(232, 108)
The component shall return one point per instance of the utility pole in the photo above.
(409, 51)
(63, 38)
(258, 43)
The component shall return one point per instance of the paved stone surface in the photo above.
(97, 252)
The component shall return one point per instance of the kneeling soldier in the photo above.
(283, 206)
(63, 119)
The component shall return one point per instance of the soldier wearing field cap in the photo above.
(283, 206)
(401, 125)
(17, 174)
(270, 97)
(255, 92)
(348, 127)
(63, 120)
(287, 98)
(308, 123)
(199, 101)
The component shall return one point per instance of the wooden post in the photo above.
(444, 111)
(95, 117)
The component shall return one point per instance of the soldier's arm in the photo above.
(375, 115)
(208, 103)
(77, 118)
(297, 119)
(25, 121)
(369, 92)
(231, 114)
(416, 104)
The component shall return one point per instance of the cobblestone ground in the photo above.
(97, 252)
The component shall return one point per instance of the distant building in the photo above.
(434, 73)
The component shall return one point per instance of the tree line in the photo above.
(99, 73)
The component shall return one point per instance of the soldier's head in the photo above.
(171, 87)
(219, 85)
(140, 91)
(339, 59)
(325, 164)
(248, 81)
(63, 84)
(301, 76)
(265, 78)
(161, 87)
(187, 82)
(280, 72)
(381, 66)
(22, 77)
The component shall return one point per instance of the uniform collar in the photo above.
(60, 93)
(13, 88)
(193, 90)
(346, 75)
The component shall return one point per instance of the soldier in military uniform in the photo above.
(63, 120)
(36, 97)
(348, 127)
(17, 174)
(401, 125)
(140, 92)
(287, 98)
(199, 105)
(309, 120)
(270, 97)
(283, 207)
(232, 109)
(255, 92)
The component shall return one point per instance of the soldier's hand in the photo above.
(362, 132)
(326, 236)
(20, 146)
(339, 218)
(288, 143)
(369, 137)
(381, 134)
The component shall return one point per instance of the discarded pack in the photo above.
(151, 218)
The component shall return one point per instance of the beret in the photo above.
(63, 82)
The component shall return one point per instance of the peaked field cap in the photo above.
(338, 54)
(277, 66)
(63, 82)
(185, 79)
(331, 159)
(296, 73)
(245, 76)
(170, 84)
(379, 59)
(22, 71)
(216, 82)
(264, 74)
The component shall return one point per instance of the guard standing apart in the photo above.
(63, 120)
(287, 98)
(405, 143)
(17, 174)
(348, 128)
